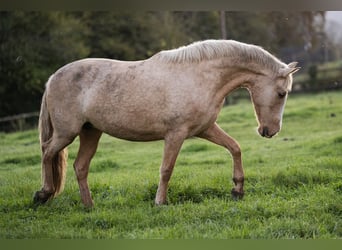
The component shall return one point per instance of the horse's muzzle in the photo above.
(264, 132)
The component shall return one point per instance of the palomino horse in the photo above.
(173, 95)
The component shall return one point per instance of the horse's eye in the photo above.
(282, 94)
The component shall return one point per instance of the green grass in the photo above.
(293, 183)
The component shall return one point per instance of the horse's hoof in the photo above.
(41, 197)
(237, 195)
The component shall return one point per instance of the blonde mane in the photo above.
(213, 49)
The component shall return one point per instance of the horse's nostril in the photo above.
(265, 132)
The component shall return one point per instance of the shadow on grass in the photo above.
(184, 194)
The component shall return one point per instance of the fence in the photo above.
(19, 122)
(319, 79)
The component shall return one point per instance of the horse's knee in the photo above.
(233, 147)
(236, 152)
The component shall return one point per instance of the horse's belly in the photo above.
(133, 131)
(136, 135)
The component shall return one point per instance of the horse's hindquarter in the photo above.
(135, 100)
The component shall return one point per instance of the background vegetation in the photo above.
(33, 45)
(293, 183)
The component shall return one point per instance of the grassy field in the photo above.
(293, 183)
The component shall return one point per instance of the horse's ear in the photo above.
(292, 64)
(294, 70)
(290, 69)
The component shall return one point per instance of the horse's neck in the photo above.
(233, 75)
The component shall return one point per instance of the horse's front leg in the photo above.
(173, 143)
(216, 135)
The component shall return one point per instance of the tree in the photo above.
(296, 35)
(32, 46)
(130, 35)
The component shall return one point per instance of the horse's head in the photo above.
(269, 94)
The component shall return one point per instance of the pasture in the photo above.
(293, 183)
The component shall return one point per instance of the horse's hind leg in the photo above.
(53, 167)
(216, 135)
(89, 138)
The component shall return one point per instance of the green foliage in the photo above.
(33, 45)
(293, 183)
